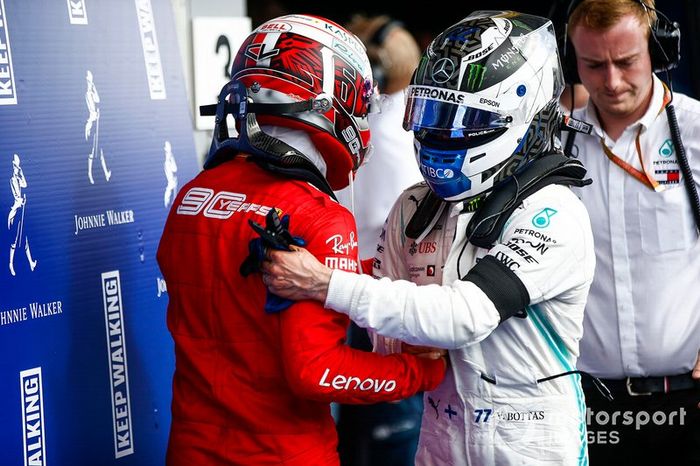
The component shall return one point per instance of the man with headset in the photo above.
(642, 321)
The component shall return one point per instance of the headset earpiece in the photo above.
(664, 44)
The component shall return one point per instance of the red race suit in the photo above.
(251, 387)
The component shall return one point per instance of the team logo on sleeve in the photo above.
(542, 218)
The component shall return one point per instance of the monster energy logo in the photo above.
(472, 205)
(475, 77)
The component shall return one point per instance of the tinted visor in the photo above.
(457, 139)
(423, 113)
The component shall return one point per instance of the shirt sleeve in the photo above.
(443, 316)
(317, 362)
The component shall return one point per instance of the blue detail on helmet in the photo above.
(521, 90)
(442, 170)
(461, 34)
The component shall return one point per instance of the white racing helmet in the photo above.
(483, 101)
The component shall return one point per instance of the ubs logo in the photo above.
(429, 247)
(443, 70)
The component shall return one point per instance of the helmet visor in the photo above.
(430, 113)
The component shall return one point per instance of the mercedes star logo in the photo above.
(442, 70)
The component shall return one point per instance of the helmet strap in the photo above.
(266, 151)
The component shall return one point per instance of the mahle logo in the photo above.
(475, 77)
(541, 219)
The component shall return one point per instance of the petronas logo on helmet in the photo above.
(475, 77)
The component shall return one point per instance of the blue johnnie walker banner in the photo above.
(95, 140)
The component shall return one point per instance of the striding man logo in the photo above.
(15, 219)
(170, 169)
(92, 99)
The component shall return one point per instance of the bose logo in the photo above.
(441, 173)
(341, 382)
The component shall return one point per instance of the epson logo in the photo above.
(119, 374)
(489, 102)
(341, 382)
(33, 417)
(439, 173)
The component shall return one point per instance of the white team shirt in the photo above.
(643, 312)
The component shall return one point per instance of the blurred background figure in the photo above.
(393, 54)
(574, 95)
(385, 433)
